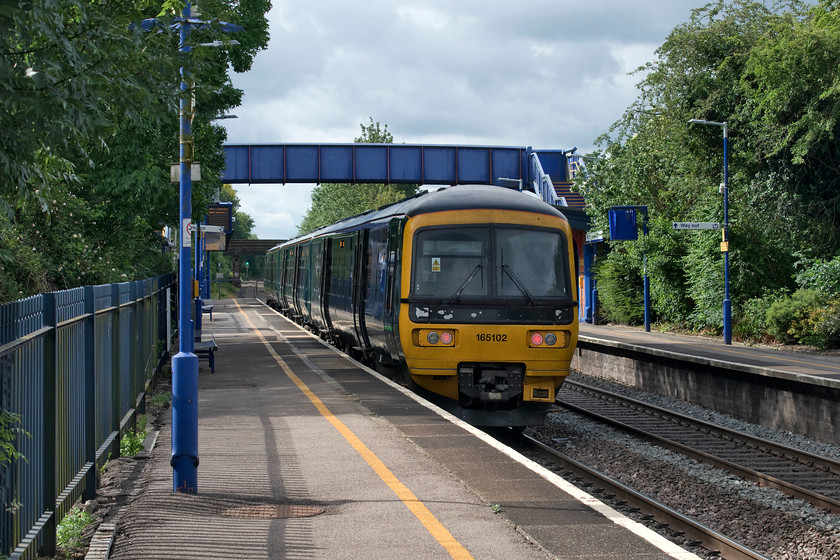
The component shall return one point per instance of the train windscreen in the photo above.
(490, 263)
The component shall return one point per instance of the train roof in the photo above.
(458, 197)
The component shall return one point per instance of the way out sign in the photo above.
(696, 225)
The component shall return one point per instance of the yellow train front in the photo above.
(466, 294)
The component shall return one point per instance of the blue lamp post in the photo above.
(184, 459)
(724, 246)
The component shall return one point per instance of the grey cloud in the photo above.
(545, 73)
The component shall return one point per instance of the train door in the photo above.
(316, 257)
(297, 290)
(392, 287)
(360, 271)
(305, 282)
(288, 279)
(325, 280)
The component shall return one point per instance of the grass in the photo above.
(160, 400)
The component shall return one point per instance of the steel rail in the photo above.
(758, 445)
(706, 536)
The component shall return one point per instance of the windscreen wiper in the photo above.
(519, 284)
(463, 285)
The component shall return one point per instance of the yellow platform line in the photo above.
(455, 549)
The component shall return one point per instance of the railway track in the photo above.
(677, 522)
(799, 474)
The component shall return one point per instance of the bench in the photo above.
(207, 308)
(209, 348)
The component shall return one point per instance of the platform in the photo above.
(773, 361)
(783, 389)
(306, 454)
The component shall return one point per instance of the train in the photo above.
(466, 295)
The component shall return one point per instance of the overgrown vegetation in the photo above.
(90, 127)
(161, 400)
(9, 433)
(131, 442)
(69, 533)
(773, 74)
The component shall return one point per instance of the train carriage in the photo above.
(466, 294)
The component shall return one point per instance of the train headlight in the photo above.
(430, 337)
(547, 339)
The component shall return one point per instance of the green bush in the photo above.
(751, 320)
(620, 290)
(821, 275)
(790, 319)
(822, 328)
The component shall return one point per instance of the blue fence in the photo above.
(75, 365)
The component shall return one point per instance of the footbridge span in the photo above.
(545, 172)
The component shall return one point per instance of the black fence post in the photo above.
(115, 366)
(89, 491)
(49, 406)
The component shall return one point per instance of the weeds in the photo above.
(69, 534)
(161, 400)
(132, 440)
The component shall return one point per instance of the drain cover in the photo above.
(283, 511)
(229, 387)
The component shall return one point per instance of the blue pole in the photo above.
(184, 459)
(727, 303)
(644, 264)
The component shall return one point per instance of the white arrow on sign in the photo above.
(696, 225)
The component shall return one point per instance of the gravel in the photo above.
(760, 518)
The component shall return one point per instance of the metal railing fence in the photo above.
(75, 365)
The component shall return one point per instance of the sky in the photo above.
(550, 74)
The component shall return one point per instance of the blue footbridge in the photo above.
(548, 173)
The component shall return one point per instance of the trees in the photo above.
(772, 74)
(90, 127)
(67, 69)
(334, 201)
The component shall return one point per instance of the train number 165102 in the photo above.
(485, 337)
